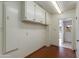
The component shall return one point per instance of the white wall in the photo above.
(55, 25)
(31, 36)
(48, 30)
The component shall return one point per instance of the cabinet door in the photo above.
(40, 14)
(47, 18)
(29, 10)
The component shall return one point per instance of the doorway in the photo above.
(65, 33)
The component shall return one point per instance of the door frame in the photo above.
(72, 31)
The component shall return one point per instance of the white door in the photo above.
(11, 18)
(77, 30)
(77, 38)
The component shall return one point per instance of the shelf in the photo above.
(33, 22)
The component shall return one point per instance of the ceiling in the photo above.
(63, 5)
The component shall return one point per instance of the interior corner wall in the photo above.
(49, 34)
(55, 25)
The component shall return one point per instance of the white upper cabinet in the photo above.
(40, 14)
(47, 18)
(29, 10)
(33, 12)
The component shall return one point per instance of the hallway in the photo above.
(31, 29)
(53, 52)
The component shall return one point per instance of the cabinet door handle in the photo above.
(77, 40)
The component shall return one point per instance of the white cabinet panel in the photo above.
(29, 10)
(40, 14)
(47, 18)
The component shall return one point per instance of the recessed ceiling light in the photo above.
(56, 6)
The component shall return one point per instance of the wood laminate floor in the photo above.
(53, 52)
